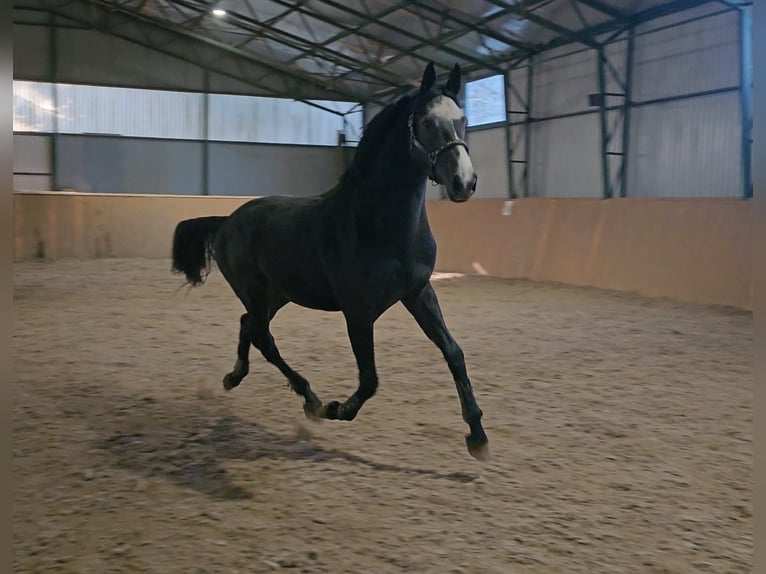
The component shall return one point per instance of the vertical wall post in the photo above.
(607, 191)
(54, 73)
(206, 134)
(627, 110)
(528, 124)
(508, 133)
(745, 91)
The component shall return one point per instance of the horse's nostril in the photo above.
(473, 184)
(457, 184)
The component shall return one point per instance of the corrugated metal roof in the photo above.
(367, 49)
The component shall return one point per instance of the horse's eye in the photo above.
(428, 124)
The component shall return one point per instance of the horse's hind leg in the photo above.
(241, 367)
(263, 340)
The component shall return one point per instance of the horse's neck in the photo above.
(394, 188)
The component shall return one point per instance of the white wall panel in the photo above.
(562, 84)
(698, 56)
(566, 158)
(31, 154)
(252, 169)
(124, 165)
(32, 162)
(687, 148)
(489, 160)
(32, 182)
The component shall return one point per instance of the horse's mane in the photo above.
(375, 132)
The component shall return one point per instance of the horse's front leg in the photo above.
(424, 307)
(360, 333)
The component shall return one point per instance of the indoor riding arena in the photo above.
(598, 283)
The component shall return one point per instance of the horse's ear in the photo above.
(429, 78)
(454, 82)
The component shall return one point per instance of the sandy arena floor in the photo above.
(620, 429)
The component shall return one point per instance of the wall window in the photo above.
(485, 101)
(33, 107)
(278, 120)
(129, 112)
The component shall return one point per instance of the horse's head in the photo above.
(437, 135)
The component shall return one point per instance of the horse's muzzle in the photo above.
(459, 191)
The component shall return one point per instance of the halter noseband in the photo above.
(431, 157)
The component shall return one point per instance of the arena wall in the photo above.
(63, 224)
(696, 250)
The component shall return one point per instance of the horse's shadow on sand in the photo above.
(148, 438)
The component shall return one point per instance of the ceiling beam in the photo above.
(126, 22)
(274, 65)
(468, 27)
(652, 13)
(603, 7)
(472, 26)
(735, 4)
(418, 38)
(353, 30)
(528, 14)
(359, 31)
(611, 25)
(198, 50)
(290, 40)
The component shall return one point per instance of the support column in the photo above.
(518, 128)
(745, 90)
(206, 134)
(528, 133)
(606, 187)
(54, 72)
(509, 148)
(627, 111)
(621, 123)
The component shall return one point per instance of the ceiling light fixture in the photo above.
(218, 12)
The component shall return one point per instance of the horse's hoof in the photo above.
(228, 383)
(477, 449)
(347, 415)
(312, 412)
(329, 411)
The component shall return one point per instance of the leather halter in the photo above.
(431, 157)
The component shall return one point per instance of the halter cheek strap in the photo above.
(431, 157)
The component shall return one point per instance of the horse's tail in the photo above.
(193, 247)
